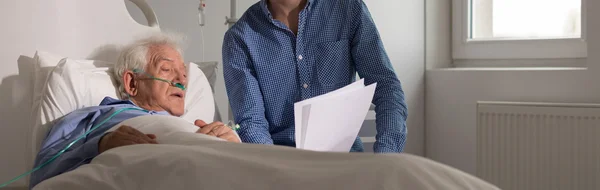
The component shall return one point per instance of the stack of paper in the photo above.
(331, 122)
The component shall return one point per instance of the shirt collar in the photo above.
(265, 8)
(111, 101)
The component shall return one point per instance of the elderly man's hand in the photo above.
(123, 136)
(217, 129)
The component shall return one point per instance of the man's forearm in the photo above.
(255, 137)
(391, 114)
(253, 133)
(391, 134)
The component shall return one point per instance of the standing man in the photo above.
(284, 51)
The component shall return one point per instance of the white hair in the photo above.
(134, 55)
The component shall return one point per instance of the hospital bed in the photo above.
(63, 57)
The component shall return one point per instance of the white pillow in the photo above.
(210, 70)
(74, 84)
(44, 64)
(199, 98)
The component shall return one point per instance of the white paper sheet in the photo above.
(301, 120)
(331, 122)
(301, 110)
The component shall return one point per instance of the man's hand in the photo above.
(217, 129)
(123, 136)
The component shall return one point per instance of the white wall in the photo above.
(437, 38)
(11, 144)
(402, 32)
(452, 95)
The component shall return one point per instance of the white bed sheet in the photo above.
(187, 160)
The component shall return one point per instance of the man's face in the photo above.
(166, 63)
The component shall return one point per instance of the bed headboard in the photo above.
(82, 29)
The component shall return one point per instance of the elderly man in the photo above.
(285, 51)
(146, 72)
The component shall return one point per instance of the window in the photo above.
(518, 29)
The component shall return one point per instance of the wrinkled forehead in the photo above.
(162, 55)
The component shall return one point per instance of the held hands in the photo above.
(123, 136)
(217, 129)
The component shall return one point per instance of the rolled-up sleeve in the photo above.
(373, 64)
(243, 91)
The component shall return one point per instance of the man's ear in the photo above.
(129, 83)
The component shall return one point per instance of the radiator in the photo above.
(531, 146)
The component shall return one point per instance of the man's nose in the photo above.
(181, 77)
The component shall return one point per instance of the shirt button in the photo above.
(305, 85)
(300, 57)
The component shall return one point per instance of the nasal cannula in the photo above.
(178, 85)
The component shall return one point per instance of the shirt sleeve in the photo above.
(69, 160)
(373, 64)
(244, 94)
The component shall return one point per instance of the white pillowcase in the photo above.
(62, 85)
(210, 71)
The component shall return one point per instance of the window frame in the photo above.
(540, 48)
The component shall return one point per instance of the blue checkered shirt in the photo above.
(267, 68)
